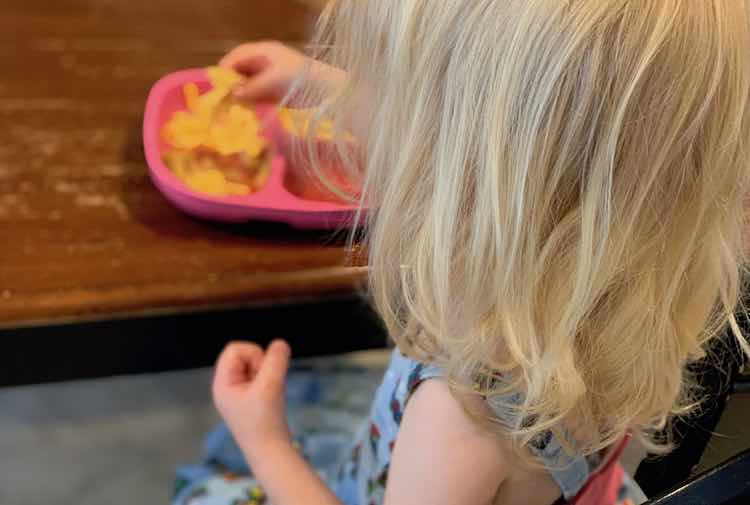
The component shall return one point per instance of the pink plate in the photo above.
(277, 201)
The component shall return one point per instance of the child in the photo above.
(556, 231)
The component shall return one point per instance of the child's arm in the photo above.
(249, 393)
(441, 457)
(288, 479)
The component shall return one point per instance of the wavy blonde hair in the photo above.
(557, 191)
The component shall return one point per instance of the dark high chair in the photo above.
(721, 377)
(726, 484)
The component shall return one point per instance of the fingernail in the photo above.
(281, 344)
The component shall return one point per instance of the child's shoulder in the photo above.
(441, 440)
(419, 388)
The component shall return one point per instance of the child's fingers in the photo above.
(260, 87)
(239, 53)
(272, 373)
(261, 82)
(238, 363)
(251, 65)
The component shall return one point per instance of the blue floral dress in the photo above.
(325, 406)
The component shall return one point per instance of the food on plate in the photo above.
(216, 146)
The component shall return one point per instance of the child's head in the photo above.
(559, 189)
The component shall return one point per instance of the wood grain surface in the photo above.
(84, 232)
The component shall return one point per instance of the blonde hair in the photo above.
(556, 192)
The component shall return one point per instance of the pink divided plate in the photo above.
(281, 199)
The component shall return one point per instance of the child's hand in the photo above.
(271, 68)
(248, 391)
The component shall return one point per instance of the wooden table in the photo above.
(89, 245)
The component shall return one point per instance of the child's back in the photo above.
(557, 190)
